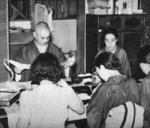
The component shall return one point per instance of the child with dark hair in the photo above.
(46, 106)
(116, 90)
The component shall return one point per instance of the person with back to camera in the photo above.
(143, 57)
(46, 105)
(42, 42)
(110, 39)
(114, 91)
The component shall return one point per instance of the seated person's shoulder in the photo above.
(122, 51)
(28, 45)
(130, 81)
(23, 50)
(25, 96)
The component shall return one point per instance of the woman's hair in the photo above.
(143, 55)
(108, 60)
(109, 30)
(45, 67)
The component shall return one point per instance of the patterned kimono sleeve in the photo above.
(145, 93)
(96, 109)
(144, 89)
(103, 100)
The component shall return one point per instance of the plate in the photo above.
(86, 75)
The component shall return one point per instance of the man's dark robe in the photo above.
(29, 52)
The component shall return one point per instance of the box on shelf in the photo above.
(98, 11)
(97, 3)
(25, 24)
(131, 11)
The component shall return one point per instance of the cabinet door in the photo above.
(132, 43)
(133, 22)
(114, 21)
(91, 41)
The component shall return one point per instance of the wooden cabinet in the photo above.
(131, 29)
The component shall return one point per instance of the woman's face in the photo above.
(145, 68)
(110, 41)
(102, 72)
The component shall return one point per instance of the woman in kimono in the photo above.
(143, 57)
(114, 91)
(110, 38)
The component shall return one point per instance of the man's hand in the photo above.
(70, 62)
(18, 70)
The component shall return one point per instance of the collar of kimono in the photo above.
(113, 50)
(42, 49)
(117, 79)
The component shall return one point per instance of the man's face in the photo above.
(110, 41)
(42, 36)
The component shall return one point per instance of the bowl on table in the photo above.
(75, 79)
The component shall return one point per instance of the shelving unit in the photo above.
(131, 30)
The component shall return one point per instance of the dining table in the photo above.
(9, 114)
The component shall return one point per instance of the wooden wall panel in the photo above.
(81, 43)
(4, 37)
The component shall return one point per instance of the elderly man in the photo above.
(40, 44)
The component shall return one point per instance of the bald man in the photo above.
(40, 44)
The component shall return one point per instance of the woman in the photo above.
(143, 57)
(115, 90)
(110, 36)
(46, 106)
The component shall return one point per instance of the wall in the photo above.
(3, 38)
(65, 34)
